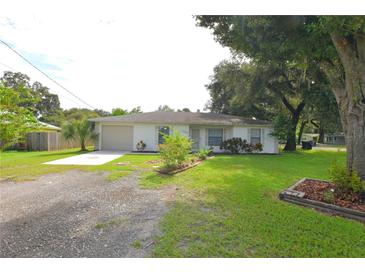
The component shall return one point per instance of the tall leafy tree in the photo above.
(15, 119)
(165, 108)
(45, 105)
(102, 112)
(323, 113)
(135, 110)
(79, 114)
(119, 111)
(261, 90)
(48, 104)
(231, 91)
(335, 43)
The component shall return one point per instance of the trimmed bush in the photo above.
(175, 151)
(237, 145)
(346, 181)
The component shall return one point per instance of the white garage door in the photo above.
(117, 138)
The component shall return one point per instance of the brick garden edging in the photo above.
(172, 172)
(297, 197)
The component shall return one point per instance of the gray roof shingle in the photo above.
(191, 118)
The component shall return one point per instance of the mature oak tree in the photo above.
(44, 104)
(258, 90)
(335, 43)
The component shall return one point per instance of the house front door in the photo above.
(195, 136)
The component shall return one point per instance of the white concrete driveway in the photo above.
(89, 159)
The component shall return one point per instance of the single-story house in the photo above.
(334, 139)
(206, 130)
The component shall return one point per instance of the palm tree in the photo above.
(79, 130)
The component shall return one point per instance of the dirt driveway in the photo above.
(79, 214)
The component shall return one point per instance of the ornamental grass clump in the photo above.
(175, 150)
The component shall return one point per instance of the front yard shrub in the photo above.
(346, 181)
(237, 145)
(233, 145)
(175, 151)
(203, 154)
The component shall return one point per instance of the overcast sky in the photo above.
(112, 56)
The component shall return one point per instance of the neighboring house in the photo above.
(334, 139)
(206, 130)
(48, 127)
(310, 137)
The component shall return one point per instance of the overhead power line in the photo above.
(61, 95)
(5, 65)
(45, 74)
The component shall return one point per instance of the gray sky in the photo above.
(112, 55)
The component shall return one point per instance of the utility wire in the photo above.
(54, 81)
(5, 65)
(61, 95)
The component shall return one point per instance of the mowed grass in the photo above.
(24, 166)
(229, 207)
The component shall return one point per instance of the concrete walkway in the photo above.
(89, 159)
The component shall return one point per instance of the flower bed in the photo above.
(313, 192)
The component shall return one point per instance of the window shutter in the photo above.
(248, 135)
(262, 136)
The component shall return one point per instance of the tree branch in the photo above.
(314, 123)
(335, 76)
(287, 104)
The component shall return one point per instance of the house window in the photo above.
(164, 130)
(255, 136)
(215, 136)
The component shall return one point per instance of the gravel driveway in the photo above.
(80, 214)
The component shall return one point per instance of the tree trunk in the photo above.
(291, 141)
(321, 134)
(355, 144)
(301, 129)
(291, 144)
(83, 147)
(348, 85)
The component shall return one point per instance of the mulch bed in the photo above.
(315, 189)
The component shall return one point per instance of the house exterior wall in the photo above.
(270, 143)
(148, 133)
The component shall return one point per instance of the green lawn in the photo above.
(228, 206)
